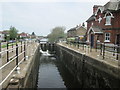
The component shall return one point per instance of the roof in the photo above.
(97, 6)
(1, 32)
(96, 29)
(82, 31)
(72, 29)
(113, 6)
(91, 18)
(5, 32)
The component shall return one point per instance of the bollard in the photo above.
(7, 52)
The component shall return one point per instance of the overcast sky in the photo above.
(40, 16)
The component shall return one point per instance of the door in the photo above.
(118, 39)
(92, 40)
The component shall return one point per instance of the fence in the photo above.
(104, 50)
(12, 55)
(109, 50)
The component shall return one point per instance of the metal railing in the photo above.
(109, 50)
(104, 50)
(12, 55)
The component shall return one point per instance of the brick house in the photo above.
(71, 32)
(104, 25)
(6, 34)
(23, 35)
(78, 31)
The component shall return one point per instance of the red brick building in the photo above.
(104, 25)
(23, 35)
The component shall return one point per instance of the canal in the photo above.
(53, 74)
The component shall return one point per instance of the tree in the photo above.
(56, 34)
(33, 33)
(83, 24)
(13, 33)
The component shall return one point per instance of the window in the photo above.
(108, 20)
(108, 16)
(107, 37)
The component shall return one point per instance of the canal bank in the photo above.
(90, 72)
(26, 76)
(72, 69)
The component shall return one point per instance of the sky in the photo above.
(41, 16)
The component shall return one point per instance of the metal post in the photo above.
(118, 53)
(12, 46)
(24, 52)
(16, 54)
(96, 46)
(90, 48)
(21, 46)
(78, 45)
(7, 52)
(103, 51)
(83, 45)
(114, 50)
(100, 48)
(0, 49)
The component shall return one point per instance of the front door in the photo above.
(92, 40)
(118, 39)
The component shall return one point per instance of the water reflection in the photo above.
(49, 76)
(53, 74)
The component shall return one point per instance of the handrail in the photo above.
(104, 49)
(14, 57)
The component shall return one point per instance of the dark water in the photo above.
(53, 74)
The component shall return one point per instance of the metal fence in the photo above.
(12, 55)
(109, 50)
(104, 50)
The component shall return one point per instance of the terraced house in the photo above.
(104, 24)
(78, 32)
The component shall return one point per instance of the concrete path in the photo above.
(4, 72)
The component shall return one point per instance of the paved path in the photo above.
(7, 69)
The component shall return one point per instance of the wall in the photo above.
(88, 71)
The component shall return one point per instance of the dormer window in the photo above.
(108, 20)
(108, 17)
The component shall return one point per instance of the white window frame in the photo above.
(108, 20)
(108, 17)
(107, 37)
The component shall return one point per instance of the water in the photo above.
(53, 74)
